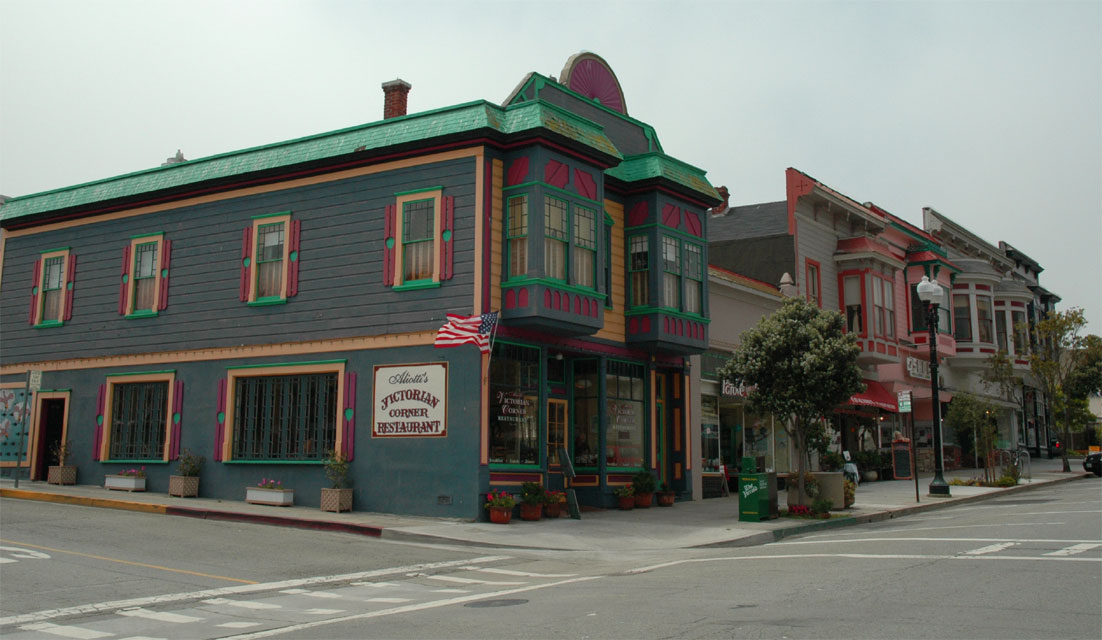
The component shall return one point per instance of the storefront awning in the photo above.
(875, 396)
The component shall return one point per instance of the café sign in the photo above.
(410, 400)
(739, 390)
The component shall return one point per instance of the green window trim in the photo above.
(144, 313)
(280, 364)
(271, 215)
(638, 259)
(49, 324)
(137, 461)
(557, 284)
(413, 285)
(646, 311)
(313, 462)
(265, 302)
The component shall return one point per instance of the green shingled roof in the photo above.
(659, 165)
(458, 119)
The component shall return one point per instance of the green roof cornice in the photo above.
(463, 119)
(538, 81)
(658, 165)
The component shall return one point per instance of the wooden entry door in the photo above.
(50, 421)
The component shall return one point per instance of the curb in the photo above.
(776, 535)
(103, 503)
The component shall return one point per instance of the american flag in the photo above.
(461, 330)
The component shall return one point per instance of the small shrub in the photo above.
(625, 491)
(532, 493)
(849, 489)
(61, 450)
(189, 464)
(822, 505)
(643, 482)
(831, 461)
(336, 469)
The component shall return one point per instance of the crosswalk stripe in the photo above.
(238, 625)
(295, 591)
(65, 631)
(323, 612)
(373, 584)
(523, 574)
(469, 580)
(991, 548)
(451, 591)
(1074, 549)
(388, 600)
(160, 616)
(244, 604)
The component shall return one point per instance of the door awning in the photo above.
(875, 396)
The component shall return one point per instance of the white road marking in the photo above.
(65, 632)
(409, 608)
(915, 539)
(243, 604)
(238, 625)
(451, 591)
(1074, 549)
(991, 548)
(142, 638)
(25, 554)
(374, 584)
(323, 612)
(974, 526)
(862, 556)
(524, 574)
(157, 615)
(294, 591)
(101, 607)
(470, 580)
(388, 600)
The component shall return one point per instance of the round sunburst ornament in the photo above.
(588, 74)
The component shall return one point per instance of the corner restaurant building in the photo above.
(265, 306)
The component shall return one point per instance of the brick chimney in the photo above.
(721, 209)
(396, 92)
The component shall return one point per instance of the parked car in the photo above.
(1093, 463)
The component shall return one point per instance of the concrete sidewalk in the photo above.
(701, 523)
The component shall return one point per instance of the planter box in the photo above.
(183, 486)
(62, 474)
(271, 497)
(336, 500)
(124, 483)
(832, 488)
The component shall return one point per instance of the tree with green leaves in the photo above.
(799, 364)
(973, 419)
(1060, 356)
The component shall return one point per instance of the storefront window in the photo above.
(587, 420)
(626, 415)
(514, 404)
(757, 440)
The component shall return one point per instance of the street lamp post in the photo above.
(931, 294)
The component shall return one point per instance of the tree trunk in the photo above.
(801, 461)
(1067, 439)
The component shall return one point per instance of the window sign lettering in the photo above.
(410, 400)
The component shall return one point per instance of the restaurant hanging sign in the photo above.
(410, 400)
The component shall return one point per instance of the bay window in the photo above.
(671, 273)
(851, 292)
(962, 318)
(585, 247)
(639, 269)
(556, 235)
(517, 233)
(986, 319)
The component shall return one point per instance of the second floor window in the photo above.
(962, 318)
(585, 247)
(883, 295)
(694, 279)
(53, 287)
(145, 276)
(417, 239)
(1021, 333)
(851, 291)
(556, 235)
(671, 273)
(639, 269)
(518, 236)
(269, 260)
(986, 318)
(1000, 329)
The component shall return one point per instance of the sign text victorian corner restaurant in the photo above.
(411, 400)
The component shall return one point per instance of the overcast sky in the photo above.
(989, 112)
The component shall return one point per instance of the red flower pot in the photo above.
(643, 500)
(666, 499)
(531, 511)
(627, 503)
(552, 509)
(501, 515)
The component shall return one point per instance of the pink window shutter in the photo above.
(350, 416)
(292, 264)
(124, 286)
(220, 421)
(97, 433)
(448, 237)
(70, 287)
(37, 274)
(166, 260)
(246, 264)
(388, 245)
(177, 425)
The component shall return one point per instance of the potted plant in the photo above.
(831, 461)
(186, 483)
(626, 497)
(501, 506)
(666, 496)
(643, 484)
(556, 501)
(132, 479)
(61, 473)
(532, 499)
(850, 488)
(338, 497)
(270, 492)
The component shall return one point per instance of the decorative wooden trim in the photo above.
(250, 249)
(170, 408)
(437, 196)
(289, 369)
(129, 281)
(362, 343)
(38, 297)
